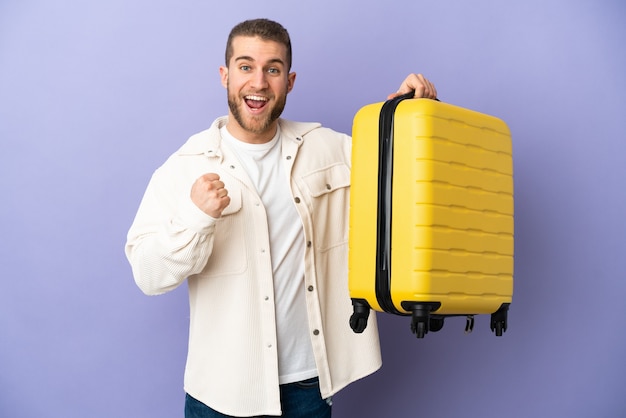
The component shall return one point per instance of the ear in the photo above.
(224, 76)
(291, 79)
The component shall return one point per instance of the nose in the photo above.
(259, 80)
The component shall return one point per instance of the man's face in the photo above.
(257, 82)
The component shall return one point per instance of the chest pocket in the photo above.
(235, 200)
(327, 180)
(329, 191)
(229, 255)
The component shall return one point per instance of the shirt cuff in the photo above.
(193, 218)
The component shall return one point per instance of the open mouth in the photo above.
(255, 102)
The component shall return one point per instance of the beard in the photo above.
(255, 124)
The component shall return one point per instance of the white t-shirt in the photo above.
(266, 170)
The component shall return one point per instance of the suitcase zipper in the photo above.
(385, 177)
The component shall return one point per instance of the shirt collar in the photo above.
(208, 141)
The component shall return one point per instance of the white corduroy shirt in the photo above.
(232, 363)
(263, 164)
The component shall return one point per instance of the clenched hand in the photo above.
(208, 194)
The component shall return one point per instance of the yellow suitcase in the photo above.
(431, 214)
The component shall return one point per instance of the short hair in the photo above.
(265, 29)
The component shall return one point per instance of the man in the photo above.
(253, 212)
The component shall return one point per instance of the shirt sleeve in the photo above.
(170, 238)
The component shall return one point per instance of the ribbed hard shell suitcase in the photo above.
(431, 214)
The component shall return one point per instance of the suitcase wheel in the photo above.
(436, 323)
(419, 328)
(499, 320)
(421, 320)
(358, 320)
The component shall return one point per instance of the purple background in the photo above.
(95, 95)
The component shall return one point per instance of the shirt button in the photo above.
(316, 332)
(289, 157)
(328, 187)
(297, 199)
(310, 288)
(308, 244)
(267, 298)
(232, 167)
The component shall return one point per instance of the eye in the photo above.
(245, 67)
(273, 70)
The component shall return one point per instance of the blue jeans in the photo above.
(298, 400)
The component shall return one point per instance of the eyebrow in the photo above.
(248, 58)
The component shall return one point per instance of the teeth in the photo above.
(256, 98)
